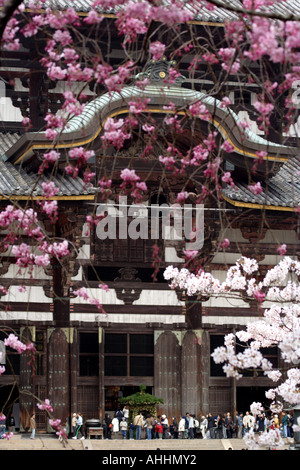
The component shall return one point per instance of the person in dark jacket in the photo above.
(174, 428)
(11, 424)
(210, 426)
(260, 421)
(219, 430)
(228, 426)
(107, 425)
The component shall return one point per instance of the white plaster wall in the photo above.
(37, 273)
(29, 316)
(103, 296)
(128, 318)
(8, 112)
(31, 294)
(158, 297)
(228, 320)
(280, 236)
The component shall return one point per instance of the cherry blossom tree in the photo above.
(277, 294)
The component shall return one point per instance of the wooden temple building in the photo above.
(149, 334)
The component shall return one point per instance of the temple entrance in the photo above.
(9, 403)
(114, 393)
(247, 395)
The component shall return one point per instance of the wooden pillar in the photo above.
(61, 302)
(167, 376)
(191, 372)
(58, 373)
(68, 227)
(101, 375)
(203, 341)
(193, 312)
(27, 401)
(38, 99)
(73, 364)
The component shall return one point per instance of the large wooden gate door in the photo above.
(58, 374)
(88, 401)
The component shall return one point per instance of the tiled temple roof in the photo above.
(281, 190)
(7, 140)
(218, 14)
(15, 182)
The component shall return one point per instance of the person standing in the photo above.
(131, 431)
(11, 424)
(79, 426)
(138, 423)
(276, 422)
(260, 421)
(126, 413)
(119, 414)
(196, 426)
(32, 426)
(210, 426)
(203, 427)
(123, 427)
(248, 421)
(220, 424)
(74, 424)
(108, 426)
(240, 426)
(115, 426)
(174, 428)
(191, 426)
(149, 426)
(159, 429)
(228, 426)
(181, 427)
(165, 423)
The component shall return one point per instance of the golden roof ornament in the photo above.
(158, 72)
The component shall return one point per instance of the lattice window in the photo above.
(88, 401)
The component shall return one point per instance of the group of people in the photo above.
(224, 426)
(263, 422)
(147, 426)
(139, 427)
(188, 426)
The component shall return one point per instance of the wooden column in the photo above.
(101, 375)
(167, 375)
(68, 227)
(203, 341)
(73, 363)
(193, 312)
(38, 99)
(27, 401)
(191, 372)
(58, 373)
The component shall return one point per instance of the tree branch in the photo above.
(6, 12)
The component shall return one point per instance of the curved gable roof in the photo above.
(85, 128)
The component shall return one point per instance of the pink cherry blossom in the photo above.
(114, 133)
(227, 147)
(255, 188)
(282, 249)
(13, 342)
(46, 406)
(224, 243)
(157, 49)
